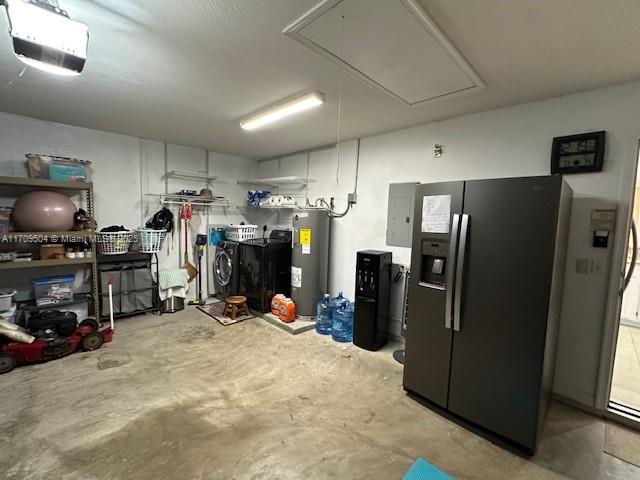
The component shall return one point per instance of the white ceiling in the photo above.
(187, 71)
(392, 45)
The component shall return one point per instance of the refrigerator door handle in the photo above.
(462, 253)
(450, 279)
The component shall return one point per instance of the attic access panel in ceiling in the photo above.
(392, 45)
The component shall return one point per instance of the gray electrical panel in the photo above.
(400, 214)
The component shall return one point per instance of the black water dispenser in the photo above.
(373, 283)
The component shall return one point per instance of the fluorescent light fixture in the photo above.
(282, 110)
(46, 38)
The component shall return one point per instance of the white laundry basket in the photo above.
(239, 233)
(150, 240)
(114, 243)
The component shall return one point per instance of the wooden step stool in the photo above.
(234, 305)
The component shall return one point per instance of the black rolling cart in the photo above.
(133, 277)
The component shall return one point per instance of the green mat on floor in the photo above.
(423, 470)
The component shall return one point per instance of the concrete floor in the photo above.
(625, 385)
(181, 397)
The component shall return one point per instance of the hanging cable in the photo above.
(330, 207)
(352, 198)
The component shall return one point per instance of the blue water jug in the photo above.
(324, 315)
(339, 300)
(342, 325)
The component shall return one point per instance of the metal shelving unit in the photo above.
(31, 306)
(13, 187)
(57, 262)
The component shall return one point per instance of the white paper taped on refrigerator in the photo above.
(436, 213)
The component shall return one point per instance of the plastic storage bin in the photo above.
(239, 233)
(57, 168)
(67, 173)
(6, 299)
(53, 291)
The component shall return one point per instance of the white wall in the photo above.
(511, 141)
(228, 168)
(124, 169)
(514, 141)
(116, 161)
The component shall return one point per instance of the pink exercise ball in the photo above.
(43, 211)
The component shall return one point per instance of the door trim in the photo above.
(626, 192)
(613, 415)
(622, 418)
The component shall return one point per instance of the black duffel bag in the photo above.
(63, 323)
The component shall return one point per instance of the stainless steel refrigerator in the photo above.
(484, 302)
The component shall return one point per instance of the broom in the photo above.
(185, 214)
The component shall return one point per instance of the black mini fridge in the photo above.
(265, 269)
(371, 315)
(487, 264)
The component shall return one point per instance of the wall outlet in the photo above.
(596, 266)
(582, 266)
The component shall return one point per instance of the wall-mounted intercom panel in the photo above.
(603, 223)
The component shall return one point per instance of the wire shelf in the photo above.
(275, 182)
(192, 175)
(197, 200)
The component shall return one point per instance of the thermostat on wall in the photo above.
(578, 153)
